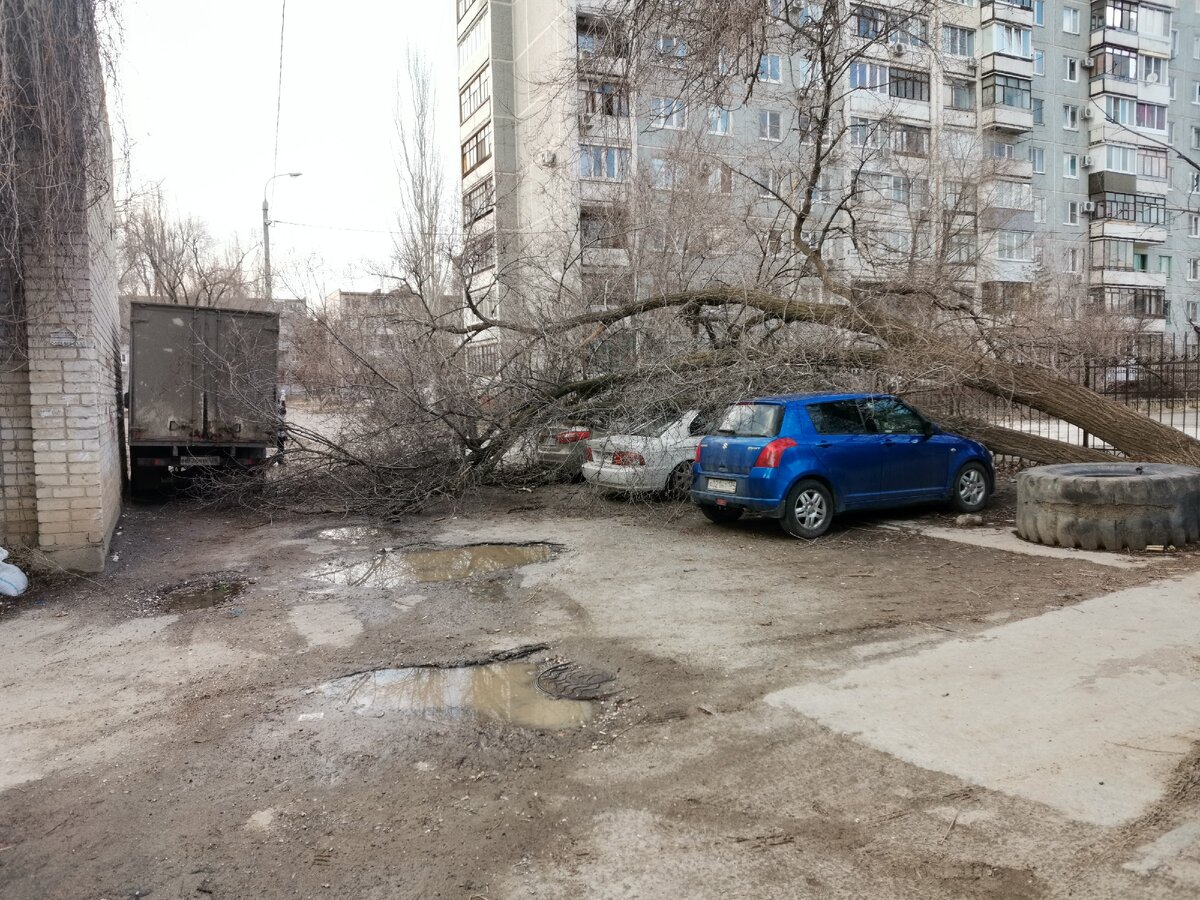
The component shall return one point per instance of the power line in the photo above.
(279, 87)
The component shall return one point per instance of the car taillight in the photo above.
(772, 453)
(572, 437)
(628, 458)
(699, 447)
(587, 454)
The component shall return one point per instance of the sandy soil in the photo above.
(150, 749)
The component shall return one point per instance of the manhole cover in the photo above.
(569, 681)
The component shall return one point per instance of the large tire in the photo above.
(1109, 506)
(808, 510)
(972, 488)
(722, 515)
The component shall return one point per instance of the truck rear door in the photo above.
(241, 361)
(164, 388)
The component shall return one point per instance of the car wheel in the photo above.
(679, 482)
(722, 515)
(971, 488)
(808, 510)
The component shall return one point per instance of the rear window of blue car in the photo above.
(751, 420)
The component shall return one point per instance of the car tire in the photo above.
(722, 515)
(972, 488)
(808, 509)
(679, 482)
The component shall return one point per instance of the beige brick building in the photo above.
(60, 447)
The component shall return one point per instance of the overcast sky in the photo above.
(197, 85)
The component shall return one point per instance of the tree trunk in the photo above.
(1031, 447)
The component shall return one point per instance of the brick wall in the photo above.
(62, 468)
(18, 503)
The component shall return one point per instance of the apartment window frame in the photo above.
(476, 149)
(1116, 62)
(1014, 246)
(479, 201)
(1037, 159)
(1070, 19)
(909, 84)
(1154, 113)
(1070, 117)
(1070, 165)
(1071, 69)
(476, 93)
(770, 68)
(770, 125)
(958, 40)
(959, 93)
(720, 121)
(603, 97)
(668, 113)
(999, 90)
(605, 162)
(1038, 108)
(1071, 216)
(1039, 62)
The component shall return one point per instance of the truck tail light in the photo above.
(699, 447)
(587, 454)
(628, 458)
(572, 437)
(772, 453)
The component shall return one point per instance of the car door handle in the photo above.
(823, 444)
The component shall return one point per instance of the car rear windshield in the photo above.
(751, 420)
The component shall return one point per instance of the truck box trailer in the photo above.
(202, 390)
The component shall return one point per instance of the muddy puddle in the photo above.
(499, 692)
(187, 597)
(390, 569)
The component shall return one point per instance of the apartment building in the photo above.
(1033, 148)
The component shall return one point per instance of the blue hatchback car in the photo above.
(804, 458)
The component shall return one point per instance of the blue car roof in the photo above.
(808, 398)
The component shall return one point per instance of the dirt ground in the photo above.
(162, 741)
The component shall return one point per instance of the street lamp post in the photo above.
(267, 231)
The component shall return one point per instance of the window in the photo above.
(671, 50)
(1154, 68)
(1119, 14)
(1071, 216)
(1007, 90)
(960, 248)
(908, 84)
(1196, 47)
(960, 197)
(1070, 165)
(463, 6)
(1151, 116)
(897, 188)
(603, 163)
(1152, 163)
(909, 140)
(1112, 254)
(1195, 188)
(1154, 21)
(1070, 117)
(668, 112)
(1193, 270)
(1039, 111)
(602, 228)
(596, 36)
(477, 148)
(912, 31)
(1120, 109)
(1012, 195)
(1071, 260)
(890, 416)
(604, 98)
(477, 92)
(1071, 19)
(1131, 301)
(1171, 87)
(1039, 62)
(1070, 68)
(1002, 150)
(719, 121)
(478, 201)
(1039, 12)
(477, 35)
(1124, 207)
(868, 77)
(770, 68)
(1196, 137)
(960, 93)
(770, 184)
(1164, 266)
(1011, 40)
(720, 179)
(958, 41)
(665, 174)
(770, 125)
(1193, 225)
(1003, 296)
(1116, 62)
(837, 417)
(1039, 210)
(1196, 92)
(864, 133)
(1037, 157)
(869, 22)
(1014, 245)
(1120, 159)
(1141, 262)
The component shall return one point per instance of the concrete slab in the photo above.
(1086, 709)
(1007, 541)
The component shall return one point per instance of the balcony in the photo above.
(1017, 13)
(1006, 118)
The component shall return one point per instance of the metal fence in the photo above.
(1158, 375)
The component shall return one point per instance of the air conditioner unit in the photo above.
(1088, 162)
(1087, 62)
(972, 65)
(899, 49)
(1088, 112)
(546, 158)
(1088, 206)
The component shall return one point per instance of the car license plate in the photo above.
(722, 485)
(200, 460)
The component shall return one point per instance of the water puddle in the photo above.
(390, 569)
(349, 534)
(499, 692)
(203, 595)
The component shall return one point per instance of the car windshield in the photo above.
(751, 420)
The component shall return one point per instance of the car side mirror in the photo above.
(930, 429)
